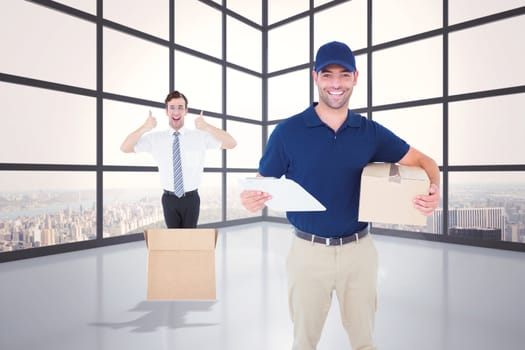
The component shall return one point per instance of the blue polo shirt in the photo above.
(328, 164)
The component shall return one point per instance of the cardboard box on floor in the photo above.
(181, 264)
(387, 191)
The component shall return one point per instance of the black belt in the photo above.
(331, 241)
(189, 193)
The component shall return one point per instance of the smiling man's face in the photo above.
(335, 84)
(176, 109)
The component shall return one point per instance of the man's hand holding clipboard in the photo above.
(278, 194)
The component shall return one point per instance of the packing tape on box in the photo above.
(394, 175)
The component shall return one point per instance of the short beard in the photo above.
(327, 102)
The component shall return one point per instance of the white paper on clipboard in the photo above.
(287, 195)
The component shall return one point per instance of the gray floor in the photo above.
(432, 296)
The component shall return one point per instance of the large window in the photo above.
(52, 46)
(79, 79)
(444, 75)
(45, 208)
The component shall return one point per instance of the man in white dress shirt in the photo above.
(180, 210)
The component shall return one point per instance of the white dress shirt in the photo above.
(193, 146)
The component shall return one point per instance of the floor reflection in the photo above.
(96, 299)
(155, 315)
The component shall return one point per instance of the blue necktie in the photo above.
(178, 182)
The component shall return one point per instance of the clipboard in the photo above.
(287, 195)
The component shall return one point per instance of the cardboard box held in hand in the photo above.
(387, 191)
(181, 264)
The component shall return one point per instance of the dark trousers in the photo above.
(181, 212)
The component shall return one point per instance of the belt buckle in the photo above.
(327, 241)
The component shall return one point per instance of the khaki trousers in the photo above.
(314, 272)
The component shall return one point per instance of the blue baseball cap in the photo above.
(335, 52)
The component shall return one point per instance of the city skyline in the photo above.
(33, 219)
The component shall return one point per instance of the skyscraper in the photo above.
(471, 218)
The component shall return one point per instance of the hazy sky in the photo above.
(62, 126)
